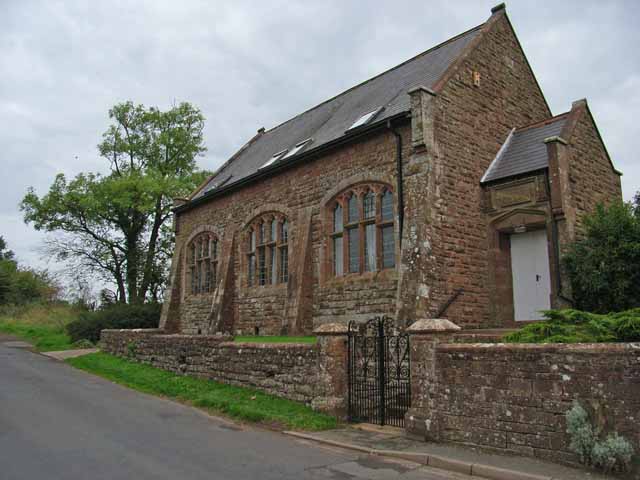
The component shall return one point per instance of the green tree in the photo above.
(116, 225)
(604, 266)
(5, 284)
(7, 268)
(20, 285)
(5, 254)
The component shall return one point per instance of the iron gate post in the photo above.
(381, 370)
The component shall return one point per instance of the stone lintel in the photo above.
(328, 329)
(554, 139)
(432, 325)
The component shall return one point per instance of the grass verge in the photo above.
(42, 325)
(274, 339)
(237, 402)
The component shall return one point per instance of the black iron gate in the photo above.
(379, 383)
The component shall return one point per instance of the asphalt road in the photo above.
(60, 423)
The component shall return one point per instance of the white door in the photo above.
(530, 273)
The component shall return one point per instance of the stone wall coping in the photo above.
(268, 346)
(594, 348)
(421, 88)
(332, 329)
(432, 325)
(557, 139)
(157, 331)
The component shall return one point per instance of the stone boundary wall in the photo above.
(513, 397)
(301, 372)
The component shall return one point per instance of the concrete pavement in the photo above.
(393, 442)
(60, 423)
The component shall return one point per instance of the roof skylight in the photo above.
(217, 184)
(364, 119)
(297, 148)
(274, 159)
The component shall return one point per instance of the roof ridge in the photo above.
(541, 123)
(435, 47)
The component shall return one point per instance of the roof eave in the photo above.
(279, 166)
(514, 176)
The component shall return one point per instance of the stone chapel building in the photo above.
(443, 187)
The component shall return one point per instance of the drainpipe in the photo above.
(556, 247)
(399, 180)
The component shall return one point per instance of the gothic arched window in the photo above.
(362, 237)
(203, 263)
(268, 250)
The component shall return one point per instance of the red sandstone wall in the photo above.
(514, 397)
(591, 175)
(472, 122)
(295, 189)
(285, 370)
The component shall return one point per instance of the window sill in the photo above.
(387, 274)
(266, 289)
(199, 296)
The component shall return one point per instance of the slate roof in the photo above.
(331, 119)
(524, 150)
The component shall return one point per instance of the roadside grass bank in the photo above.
(237, 402)
(273, 339)
(42, 325)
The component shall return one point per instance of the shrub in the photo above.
(604, 266)
(613, 454)
(89, 324)
(575, 326)
(583, 438)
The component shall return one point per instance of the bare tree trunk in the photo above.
(151, 250)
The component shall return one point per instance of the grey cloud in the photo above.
(252, 64)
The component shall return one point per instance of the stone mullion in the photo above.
(269, 246)
(252, 254)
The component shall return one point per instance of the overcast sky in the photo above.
(63, 64)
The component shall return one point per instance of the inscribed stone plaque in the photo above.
(513, 195)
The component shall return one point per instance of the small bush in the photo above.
(613, 454)
(84, 343)
(89, 324)
(575, 326)
(583, 438)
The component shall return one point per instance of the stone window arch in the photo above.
(362, 237)
(203, 253)
(267, 250)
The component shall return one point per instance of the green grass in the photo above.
(237, 402)
(44, 338)
(274, 339)
(42, 325)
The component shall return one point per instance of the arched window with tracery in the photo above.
(268, 250)
(362, 236)
(202, 263)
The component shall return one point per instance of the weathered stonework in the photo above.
(298, 191)
(513, 397)
(314, 374)
(470, 124)
(452, 256)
